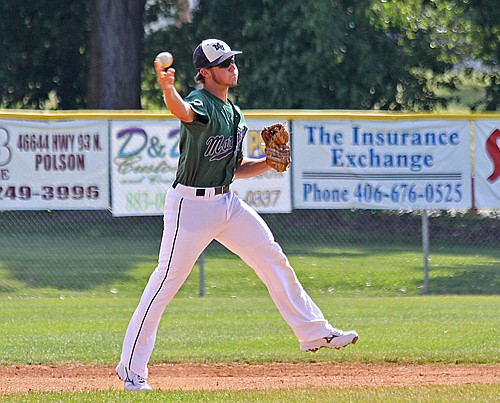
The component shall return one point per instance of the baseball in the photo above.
(165, 59)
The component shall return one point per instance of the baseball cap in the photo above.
(212, 52)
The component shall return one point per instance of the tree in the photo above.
(462, 34)
(167, 29)
(43, 53)
(330, 57)
(70, 55)
(346, 54)
(116, 54)
(484, 14)
(308, 54)
(53, 52)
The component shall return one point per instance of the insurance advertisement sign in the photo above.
(381, 164)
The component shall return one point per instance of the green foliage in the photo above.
(44, 53)
(359, 54)
(464, 34)
(299, 54)
(331, 57)
(163, 35)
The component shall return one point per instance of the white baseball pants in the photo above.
(190, 223)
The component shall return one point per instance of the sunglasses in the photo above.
(226, 63)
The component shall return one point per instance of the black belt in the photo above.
(219, 190)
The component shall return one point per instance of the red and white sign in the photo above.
(487, 164)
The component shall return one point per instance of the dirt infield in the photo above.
(244, 376)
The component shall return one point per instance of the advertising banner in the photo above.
(271, 191)
(338, 163)
(54, 165)
(381, 164)
(144, 156)
(487, 164)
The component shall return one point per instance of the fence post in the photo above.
(425, 248)
(201, 260)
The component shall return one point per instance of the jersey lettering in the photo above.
(218, 147)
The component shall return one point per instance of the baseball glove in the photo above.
(276, 138)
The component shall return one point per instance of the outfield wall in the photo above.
(125, 160)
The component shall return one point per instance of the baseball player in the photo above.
(200, 207)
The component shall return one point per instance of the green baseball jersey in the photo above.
(211, 145)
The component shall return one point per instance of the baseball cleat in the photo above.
(131, 380)
(336, 339)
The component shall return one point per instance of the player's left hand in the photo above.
(276, 139)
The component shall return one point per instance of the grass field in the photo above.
(74, 308)
(468, 393)
(461, 330)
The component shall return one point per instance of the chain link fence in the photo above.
(49, 252)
